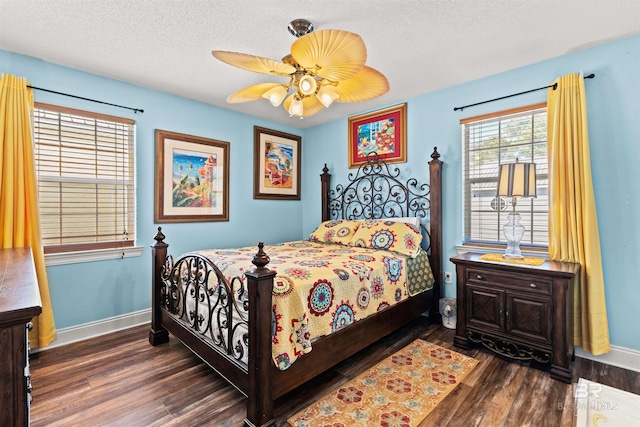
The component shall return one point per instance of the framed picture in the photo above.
(276, 168)
(192, 178)
(383, 131)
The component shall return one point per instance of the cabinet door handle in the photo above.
(479, 277)
(533, 285)
(507, 314)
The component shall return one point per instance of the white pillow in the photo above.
(408, 219)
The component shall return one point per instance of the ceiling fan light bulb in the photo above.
(296, 108)
(275, 95)
(326, 95)
(307, 85)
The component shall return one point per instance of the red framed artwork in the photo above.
(383, 132)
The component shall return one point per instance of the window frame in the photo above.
(96, 250)
(486, 245)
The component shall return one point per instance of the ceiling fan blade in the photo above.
(310, 105)
(254, 63)
(337, 55)
(366, 85)
(251, 93)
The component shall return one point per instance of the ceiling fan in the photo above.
(323, 66)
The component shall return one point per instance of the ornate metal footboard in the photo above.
(192, 299)
(197, 294)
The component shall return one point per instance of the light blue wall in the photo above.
(87, 292)
(613, 105)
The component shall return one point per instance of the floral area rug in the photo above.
(400, 391)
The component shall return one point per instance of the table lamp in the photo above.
(515, 180)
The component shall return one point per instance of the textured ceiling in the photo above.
(420, 45)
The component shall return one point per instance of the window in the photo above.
(487, 142)
(85, 169)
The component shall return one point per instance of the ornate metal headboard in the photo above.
(375, 191)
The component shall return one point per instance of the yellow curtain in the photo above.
(573, 223)
(18, 196)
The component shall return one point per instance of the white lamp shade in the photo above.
(327, 95)
(517, 179)
(296, 108)
(275, 95)
(307, 85)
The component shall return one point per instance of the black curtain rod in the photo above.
(135, 110)
(554, 86)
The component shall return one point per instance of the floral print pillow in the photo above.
(388, 235)
(335, 231)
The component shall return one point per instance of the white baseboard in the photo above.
(95, 329)
(618, 356)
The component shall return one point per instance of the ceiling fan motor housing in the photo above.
(300, 27)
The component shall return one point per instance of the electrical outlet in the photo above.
(448, 277)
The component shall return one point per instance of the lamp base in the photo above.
(513, 232)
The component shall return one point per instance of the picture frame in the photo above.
(276, 168)
(383, 131)
(191, 178)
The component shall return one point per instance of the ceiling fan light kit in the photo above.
(307, 85)
(276, 95)
(323, 67)
(326, 95)
(296, 106)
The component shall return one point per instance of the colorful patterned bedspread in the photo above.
(320, 288)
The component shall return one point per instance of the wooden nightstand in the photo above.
(519, 311)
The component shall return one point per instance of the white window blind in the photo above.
(85, 168)
(487, 142)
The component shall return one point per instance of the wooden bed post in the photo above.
(325, 179)
(435, 227)
(157, 334)
(260, 287)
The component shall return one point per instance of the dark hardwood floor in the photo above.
(121, 380)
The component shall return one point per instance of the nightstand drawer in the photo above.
(518, 281)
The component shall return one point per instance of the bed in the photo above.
(229, 321)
